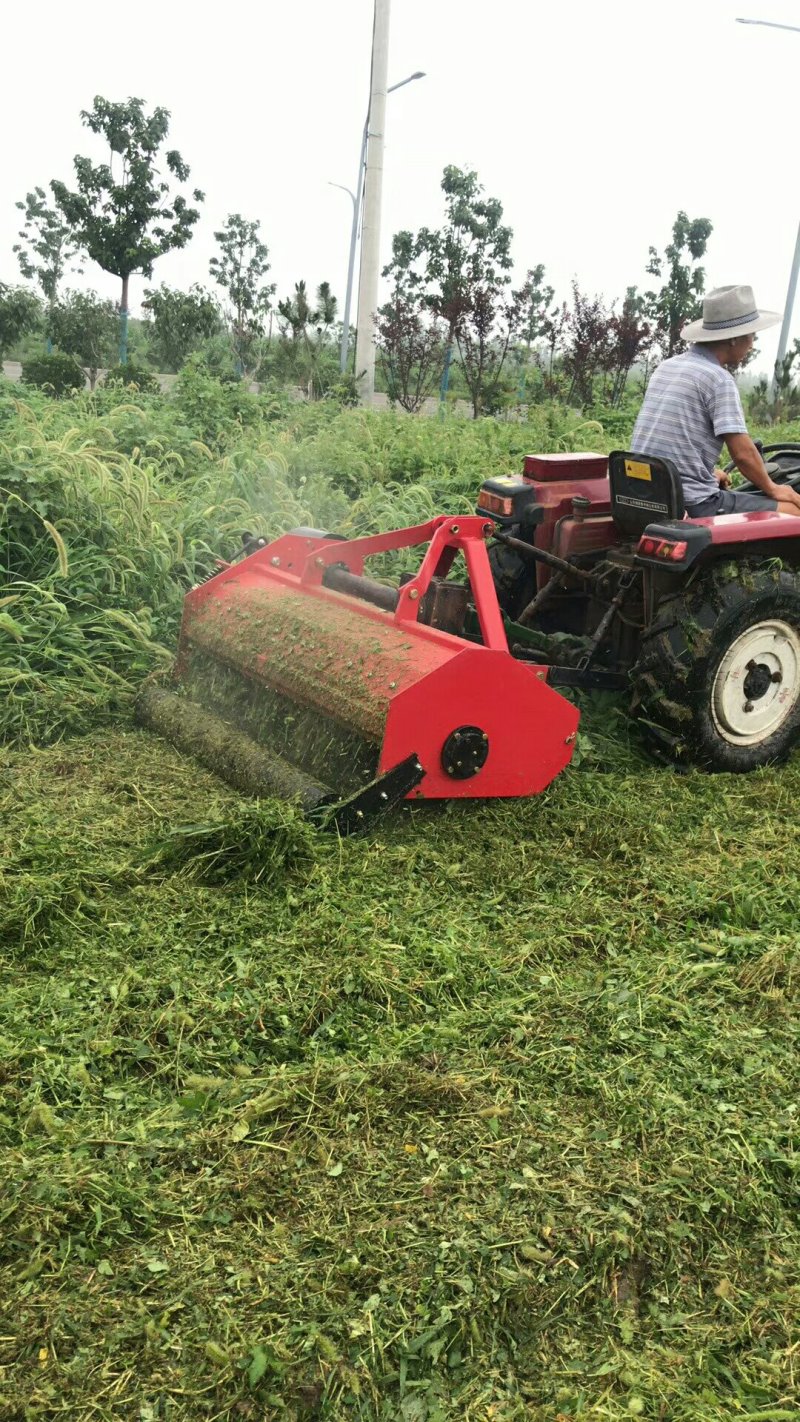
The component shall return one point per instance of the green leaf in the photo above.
(104, 1267)
(264, 1359)
(215, 1353)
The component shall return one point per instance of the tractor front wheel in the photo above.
(717, 680)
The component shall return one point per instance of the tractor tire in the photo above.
(717, 679)
(514, 578)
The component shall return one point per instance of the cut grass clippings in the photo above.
(491, 1113)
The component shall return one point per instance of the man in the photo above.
(692, 407)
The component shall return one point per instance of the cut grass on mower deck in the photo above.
(488, 1115)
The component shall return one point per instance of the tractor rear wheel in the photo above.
(717, 680)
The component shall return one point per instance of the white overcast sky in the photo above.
(592, 122)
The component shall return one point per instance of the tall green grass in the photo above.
(113, 505)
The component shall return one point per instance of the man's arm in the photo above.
(749, 463)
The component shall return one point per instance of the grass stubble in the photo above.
(491, 1114)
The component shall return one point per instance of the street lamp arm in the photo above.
(770, 24)
(420, 74)
(343, 189)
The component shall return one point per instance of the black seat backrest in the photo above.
(644, 489)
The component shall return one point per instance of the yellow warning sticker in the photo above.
(635, 470)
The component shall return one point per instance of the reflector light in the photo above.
(663, 548)
(494, 503)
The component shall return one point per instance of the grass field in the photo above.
(490, 1114)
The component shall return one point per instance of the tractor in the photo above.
(698, 618)
(301, 671)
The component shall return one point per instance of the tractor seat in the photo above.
(644, 489)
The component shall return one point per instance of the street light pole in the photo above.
(355, 198)
(790, 295)
(371, 219)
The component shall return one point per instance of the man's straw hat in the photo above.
(727, 312)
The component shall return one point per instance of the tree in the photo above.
(410, 342)
(181, 321)
(678, 300)
(45, 249)
(239, 270)
(484, 338)
(468, 264)
(554, 326)
(20, 312)
(126, 221)
(84, 327)
(588, 344)
(630, 335)
(535, 298)
(305, 336)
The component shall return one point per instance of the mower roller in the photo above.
(301, 676)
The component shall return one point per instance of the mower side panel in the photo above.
(530, 727)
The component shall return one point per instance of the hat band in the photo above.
(733, 321)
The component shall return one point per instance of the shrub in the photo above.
(131, 374)
(55, 374)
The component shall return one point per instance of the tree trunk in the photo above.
(448, 357)
(123, 323)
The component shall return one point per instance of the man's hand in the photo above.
(788, 501)
(747, 459)
(723, 478)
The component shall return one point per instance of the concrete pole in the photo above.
(371, 221)
(787, 316)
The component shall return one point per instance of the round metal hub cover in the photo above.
(465, 751)
(757, 683)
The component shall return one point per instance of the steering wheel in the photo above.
(783, 466)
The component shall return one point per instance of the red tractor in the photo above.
(302, 672)
(610, 586)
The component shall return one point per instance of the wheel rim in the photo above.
(757, 683)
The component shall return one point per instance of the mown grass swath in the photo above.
(489, 1114)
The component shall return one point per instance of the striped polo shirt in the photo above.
(689, 406)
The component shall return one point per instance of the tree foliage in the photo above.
(588, 344)
(20, 312)
(240, 270)
(631, 335)
(84, 327)
(678, 300)
(306, 355)
(467, 278)
(535, 298)
(46, 245)
(56, 374)
(181, 321)
(126, 219)
(411, 342)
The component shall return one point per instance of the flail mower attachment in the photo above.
(299, 676)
